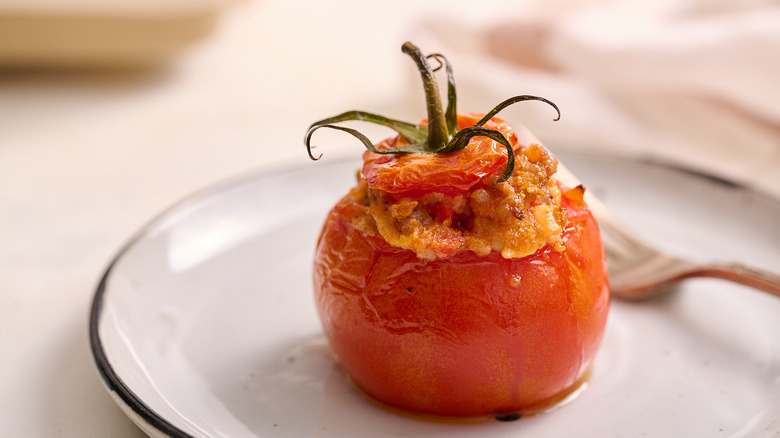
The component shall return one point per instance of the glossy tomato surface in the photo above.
(415, 174)
(466, 335)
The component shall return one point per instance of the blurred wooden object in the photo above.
(100, 34)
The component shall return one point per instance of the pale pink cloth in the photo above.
(695, 82)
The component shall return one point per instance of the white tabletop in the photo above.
(88, 158)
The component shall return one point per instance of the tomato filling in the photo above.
(515, 217)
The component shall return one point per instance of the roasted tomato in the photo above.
(466, 282)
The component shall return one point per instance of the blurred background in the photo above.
(110, 111)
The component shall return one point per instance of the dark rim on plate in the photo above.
(113, 382)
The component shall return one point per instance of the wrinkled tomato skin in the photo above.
(468, 335)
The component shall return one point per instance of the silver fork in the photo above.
(637, 271)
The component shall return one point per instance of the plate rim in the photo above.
(117, 387)
(111, 380)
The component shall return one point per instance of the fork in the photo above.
(638, 271)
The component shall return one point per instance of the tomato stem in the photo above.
(442, 135)
(437, 124)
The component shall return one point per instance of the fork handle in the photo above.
(757, 278)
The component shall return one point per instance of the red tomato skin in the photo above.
(468, 335)
(454, 173)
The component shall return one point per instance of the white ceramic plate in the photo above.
(204, 324)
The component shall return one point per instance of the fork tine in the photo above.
(638, 271)
(633, 265)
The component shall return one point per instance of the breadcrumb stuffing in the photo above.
(516, 217)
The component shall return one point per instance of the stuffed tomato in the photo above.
(460, 279)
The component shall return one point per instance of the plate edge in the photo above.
(114, 384)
